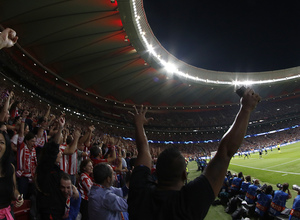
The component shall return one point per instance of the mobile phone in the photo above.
(241, 91)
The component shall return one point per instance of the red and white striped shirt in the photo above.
(41, 141)
(63, 164)
(72, 163)
(26, 160)
(68, 163)
(85, 185)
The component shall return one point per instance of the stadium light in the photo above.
(143, 30)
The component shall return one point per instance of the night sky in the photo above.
(229, 35)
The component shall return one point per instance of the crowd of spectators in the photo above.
(41, 120)
(262, 202)
(50, 141)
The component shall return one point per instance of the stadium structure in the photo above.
(96, 59)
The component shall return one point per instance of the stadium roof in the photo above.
(97, 48)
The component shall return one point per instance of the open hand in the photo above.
(140, 115)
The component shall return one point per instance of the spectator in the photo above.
(295, 212)
(105, 201)
(4, 114)
(15, 110)
(72, 196)
(245, 185)
(252, 192)
(236, 184)
(85, 184)
(69, 160)
(170, 199)
(26, 161)
(96, 155)
(8, 186)
(279, 200)
(264, 199)
(51, 202)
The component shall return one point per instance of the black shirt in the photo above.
(50, 200)
(147, 203)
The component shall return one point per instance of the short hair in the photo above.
(256, 182)
(95, 151)
(170, 166)
(240, 175)
(29, 136)
(269, 189)
(101, 171)
(84, 163)
(248, 178)
(41, 120)
(285, 186)
(65, 176)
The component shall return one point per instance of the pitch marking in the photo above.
(283, 163)
(276, 171)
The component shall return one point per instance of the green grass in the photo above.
(272, 168)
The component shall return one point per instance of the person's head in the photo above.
(269, 189)
(240, 175)
(19, 105)
(69, 139)
(103, 174)
(248, 179)
(16, 104)
(256, 182)
(128, 154)
(30, 140)
(65, 185)
(42, 122)
(86, 166)
(17, 120)
(95, 151)
(26, 129)
(123, 152)
(229, 173)
(285, 186)
(171, 167)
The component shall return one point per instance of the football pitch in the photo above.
(272, 168)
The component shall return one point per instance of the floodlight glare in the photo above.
(170, 67)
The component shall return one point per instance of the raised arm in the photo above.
(143, 157)
(113, 156)
(8, 38)
(231, 141)
(48, 112)
(61, 123)
(85, 138)
(6, 107)
(22, 127)
(73, 146)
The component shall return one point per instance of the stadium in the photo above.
(96, 60)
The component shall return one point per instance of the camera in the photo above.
(296, 188)
(241, 91)
(279, 185)
(262, 189)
